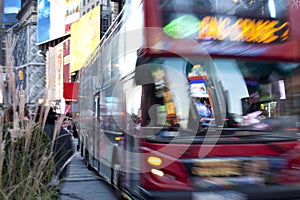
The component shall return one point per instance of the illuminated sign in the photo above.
(182, 27)
(239, 29)
(85, 36)
(55, 18)
(225, 28)
(198, 88)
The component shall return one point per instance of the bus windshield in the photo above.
(222, 96)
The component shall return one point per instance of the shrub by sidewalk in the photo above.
(26, 152)
(26, 161)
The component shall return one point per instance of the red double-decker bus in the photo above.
(196, 99)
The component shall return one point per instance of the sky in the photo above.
(12, 6)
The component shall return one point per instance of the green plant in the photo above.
(26, 162)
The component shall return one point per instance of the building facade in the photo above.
(30, 57)
(29, 63)
(2, 38)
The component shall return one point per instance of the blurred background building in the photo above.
(44, 62)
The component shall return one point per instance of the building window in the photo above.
(105, 23)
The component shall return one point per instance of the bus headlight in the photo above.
(157, 172)
(155, 161)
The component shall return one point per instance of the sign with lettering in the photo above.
(240, 29)
(228, 28)
(265, 29)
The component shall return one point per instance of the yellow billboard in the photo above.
(85, 36)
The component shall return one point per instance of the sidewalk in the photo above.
(83, 184)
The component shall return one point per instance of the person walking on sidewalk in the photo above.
(62, 146)
(71, 127)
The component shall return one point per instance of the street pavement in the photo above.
(83, 184)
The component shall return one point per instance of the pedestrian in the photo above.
(71, 127)
(62, 145)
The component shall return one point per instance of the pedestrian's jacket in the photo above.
(62, 147)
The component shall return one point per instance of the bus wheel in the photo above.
(116, 180)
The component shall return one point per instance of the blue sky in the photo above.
(12, 6)
(43, 33)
